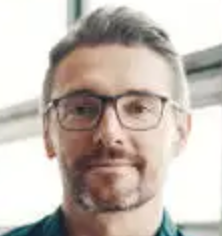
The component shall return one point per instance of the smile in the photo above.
(110, 164)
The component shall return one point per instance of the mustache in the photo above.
(108, 156)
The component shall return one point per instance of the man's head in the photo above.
(115, 101)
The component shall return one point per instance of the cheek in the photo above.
(71, 145)
(154, 147)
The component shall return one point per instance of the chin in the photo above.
(111, 191)
(127, 204)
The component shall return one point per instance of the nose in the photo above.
(110, 131)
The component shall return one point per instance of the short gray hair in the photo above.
(123, 26)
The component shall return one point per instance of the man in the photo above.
(115, 114)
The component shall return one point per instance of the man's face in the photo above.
(128, 166)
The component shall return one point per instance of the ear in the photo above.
(183, 129)
(47, 139)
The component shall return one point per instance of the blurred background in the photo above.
(29, 183)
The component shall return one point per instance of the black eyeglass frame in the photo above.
(105, 99)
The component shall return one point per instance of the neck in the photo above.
(143, 221)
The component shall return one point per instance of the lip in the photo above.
(103, 168)
(109, 164)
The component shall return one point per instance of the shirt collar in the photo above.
(55, 225)
(167, 228)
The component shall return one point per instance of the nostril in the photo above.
(112, 141)
(118, 142)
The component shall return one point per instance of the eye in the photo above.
(84, 111)
(80, 107)
(139, 107)
(136, 108)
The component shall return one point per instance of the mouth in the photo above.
(110, 164)
(92, 162)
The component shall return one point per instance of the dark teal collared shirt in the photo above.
(53, 225)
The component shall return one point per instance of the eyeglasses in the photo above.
(136, 110)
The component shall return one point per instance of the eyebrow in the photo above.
(138, 91)
(77, 91)
(93, 92)
(146, 91)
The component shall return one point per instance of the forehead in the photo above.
(113, 69)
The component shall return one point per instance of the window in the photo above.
(193, 25)
(30, 184)
(28, 30)
(193, 188)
